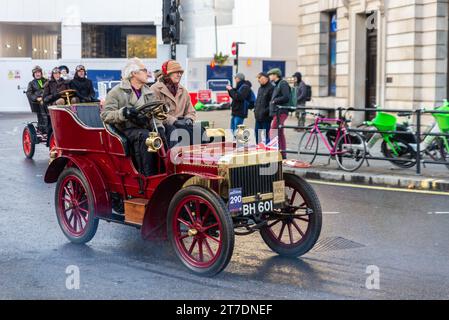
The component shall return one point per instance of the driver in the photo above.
(120, 110)
(53, 87)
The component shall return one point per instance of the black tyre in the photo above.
(444, 154)
(351, 148)
(201, 230)
(75, 210)
(302, 219)
(404, 150)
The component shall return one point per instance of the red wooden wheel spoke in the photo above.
(183, 237)
(82, 202)
(197, 210)
(200, 247)
(292, 200)
(210, 227)
(206, 215)
(68, 192)
(189, 212)
(84, 217)
(83, 210)
(282, 231)
(71, 217)
(192, 245)
(75, 222)
(209, 249)
(274, 223)
(302, 219)
(298, 228)
(290, 233)
(212, 238)
(185, 222)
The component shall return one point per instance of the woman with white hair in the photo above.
(120, 110)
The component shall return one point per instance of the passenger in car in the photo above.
(120, 110)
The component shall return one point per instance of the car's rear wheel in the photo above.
(200, 230)
(74, 203)
(294, 230)
(28, 142)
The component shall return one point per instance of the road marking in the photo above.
(356, 186)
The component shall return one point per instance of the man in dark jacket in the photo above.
(35, 93)
(301, 98)
(281, 97)
(239, 95)
(53, 87)
(262, 107)
(83, 86)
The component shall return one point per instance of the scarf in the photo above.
(172, 87)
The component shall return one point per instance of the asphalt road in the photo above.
(402, 235)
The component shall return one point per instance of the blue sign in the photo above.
(219, 73)
(235, 200)
(268, 65)
(334, 23)
(103, 75)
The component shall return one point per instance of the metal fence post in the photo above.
(418, 141)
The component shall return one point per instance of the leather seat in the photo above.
(123, 139)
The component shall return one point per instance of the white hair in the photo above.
(133, 65)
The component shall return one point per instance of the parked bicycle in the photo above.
(347, 148)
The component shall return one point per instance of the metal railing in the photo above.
(418, 133)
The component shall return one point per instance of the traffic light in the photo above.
(171, 22)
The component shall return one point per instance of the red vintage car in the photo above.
(202, 197)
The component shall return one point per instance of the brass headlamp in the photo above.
(154, 142)
(242, 135)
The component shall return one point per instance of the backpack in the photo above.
(250, 102)
(308, 93)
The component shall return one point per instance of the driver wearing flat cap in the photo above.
(121, 110)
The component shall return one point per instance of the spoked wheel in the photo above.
(201, 230)
(403, 151)
(444, 154)
(28, 142)
(351, 151)
(308, 146)
(294, 230)
(75, 207)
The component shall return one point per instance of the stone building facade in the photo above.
(361, 53)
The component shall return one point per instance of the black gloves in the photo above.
(130, 113)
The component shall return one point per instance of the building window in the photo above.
(332, 56)
(119, 41)
(36, 41)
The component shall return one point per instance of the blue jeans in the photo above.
(235, 122)
(263, 128)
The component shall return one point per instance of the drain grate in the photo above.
(336, 243)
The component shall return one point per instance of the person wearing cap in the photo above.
(53, 87)
(35, 90)
(280, 97)
(120, 110)
(181, 114)
(35, 95)
(239, 96)
(262, 107)
(83, 86)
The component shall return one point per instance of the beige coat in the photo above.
(121, 97)
(180, 106)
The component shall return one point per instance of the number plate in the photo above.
(235, 200)
(257, 207)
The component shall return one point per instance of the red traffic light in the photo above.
(234, 48)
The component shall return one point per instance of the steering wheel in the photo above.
(154, 109)
(67, 94)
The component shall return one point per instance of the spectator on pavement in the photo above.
(262, 107)
(281, 97)
(301, 98)
(239, 95)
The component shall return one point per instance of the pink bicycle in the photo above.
(347, 148)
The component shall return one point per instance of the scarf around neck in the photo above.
(172, 87)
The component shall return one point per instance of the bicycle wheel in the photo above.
(444, 154)
(308, 146)
(403, 151)
(351, 151)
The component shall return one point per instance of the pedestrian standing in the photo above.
(301, 98)
(281, 97)
(239, 95)
(262, 107)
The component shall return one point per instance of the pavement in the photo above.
(400, 236)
